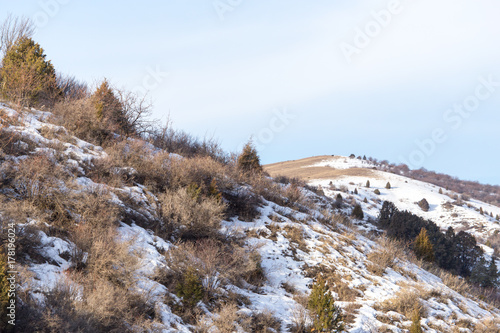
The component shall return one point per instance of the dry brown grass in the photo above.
(404, 302)
(385, 256)
(80, 118)
(216, 262)
(295, 234)
(343, 291)
(300, 169)
(191, 217)
(98, 297)
(489, 325)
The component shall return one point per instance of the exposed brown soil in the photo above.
(300, 169)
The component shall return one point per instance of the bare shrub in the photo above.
(260, 322)
(301, 319)
(243, 203)
(137, 111)
(42, 182)
(404, 302)
(289, 196)
(381, 259)
(216, 262)
(193, 218)
(79, 116)
(344, 292)
(84, 303)
(179, 142)
(71, 88)
(224, 320)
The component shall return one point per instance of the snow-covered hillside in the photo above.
(405, 193)
(376, 284)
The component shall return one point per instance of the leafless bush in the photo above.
(385, 256)
(223, 320)
(79, 117)
(193, 218)
(243, 203)
(71, 87)
(216, 262)
(97, 299)
(41, 181)
(137, 110)
(404, 302)
(261, 322)
(184, 144)
(344, 292)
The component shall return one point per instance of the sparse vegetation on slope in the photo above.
(145, 229)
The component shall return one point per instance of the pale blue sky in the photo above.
(230, 77)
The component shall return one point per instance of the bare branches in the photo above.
(137, 110)
(12, 29)
(71, 87)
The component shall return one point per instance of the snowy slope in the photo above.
(406, 192)
(293, 246)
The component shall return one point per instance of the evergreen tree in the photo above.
(109, 110)
(493, 274)
(338, 200)
(440, 191)
(356, 191)
(249, 160)
(467, 253)
(357, 212)
(27, 78)
(190, 289)
(367, 184)
(327, 317)
(388, 186)
(377, 192)
(481, 211)
(423, 247)
(365, 200)
(479, 274)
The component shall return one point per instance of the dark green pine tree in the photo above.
(479, 274)
(493, 273)
(357, 212)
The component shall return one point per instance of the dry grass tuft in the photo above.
(404, 302)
